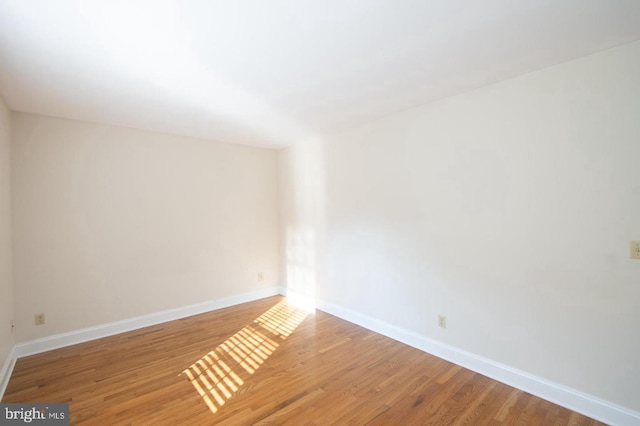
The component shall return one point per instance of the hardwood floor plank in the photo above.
(266, 362)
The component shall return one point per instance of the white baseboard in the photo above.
(6, 370)
(572, 399)
(33, 347)
(588, 405)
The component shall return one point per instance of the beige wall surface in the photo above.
(508, 209)
(6, 269)
(112, 223)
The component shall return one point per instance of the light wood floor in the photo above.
(265, 362)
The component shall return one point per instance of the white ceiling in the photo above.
(271, 73)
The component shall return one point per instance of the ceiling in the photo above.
(273, 73)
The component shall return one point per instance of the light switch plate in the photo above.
(635, 250)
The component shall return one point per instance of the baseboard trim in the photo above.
(57, 341)
(6, 370)
(572, 399)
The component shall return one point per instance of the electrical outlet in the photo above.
(442, 321)
(260, 276)
(39, 319)
(635, 250)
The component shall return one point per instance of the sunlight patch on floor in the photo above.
(216, 381)
(282, 319)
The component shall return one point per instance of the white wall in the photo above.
(112, 223)
(6, 270)
(302, 217)
(508, 209)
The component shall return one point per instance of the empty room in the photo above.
(385, 212)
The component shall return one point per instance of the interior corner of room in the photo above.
(490, 228)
